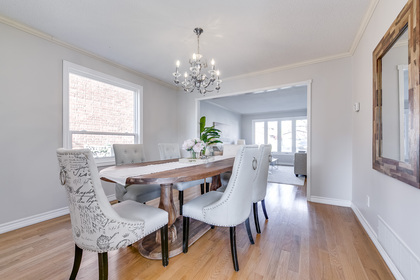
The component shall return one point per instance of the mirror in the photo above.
(395, 100)
(395, 145)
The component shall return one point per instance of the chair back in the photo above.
(169, 150)
(235, 204)
(259, 189)
(128, 153)
(230, 150)
(95, 225)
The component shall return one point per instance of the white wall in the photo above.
(231, 130)
(31, 120)
(396, 203)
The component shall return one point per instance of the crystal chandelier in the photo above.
(196, 78)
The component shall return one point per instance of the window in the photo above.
(98, 111)
(290, 135)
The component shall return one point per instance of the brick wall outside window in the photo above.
(95, 106)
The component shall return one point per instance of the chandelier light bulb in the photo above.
(185, 75)
(194, 56)
(178, 63)
(212, 62)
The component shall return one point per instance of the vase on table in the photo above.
(194, 155)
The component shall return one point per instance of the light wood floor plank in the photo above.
(300, 240)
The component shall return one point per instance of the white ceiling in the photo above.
(273, 100)
(244, 37)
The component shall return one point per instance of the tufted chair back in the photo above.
(95, 224)
(169, 150)
(128, 153)
(235, 204)
(259, 189)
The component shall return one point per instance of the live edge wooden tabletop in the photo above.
(149, 247)
(184, 174)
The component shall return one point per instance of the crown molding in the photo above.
(52, 39)
(290, 66)
(362, 28)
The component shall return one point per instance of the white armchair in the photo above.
(229, 208)
(96, 225)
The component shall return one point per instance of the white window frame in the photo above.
(293, 119)
(71, 68)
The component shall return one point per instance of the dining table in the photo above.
(166, 173)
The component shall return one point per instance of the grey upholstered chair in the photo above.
(133, 153)
(259, 188)
(171, 151)
(96, 225)
(230, 208)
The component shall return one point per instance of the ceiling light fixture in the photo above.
(196, 79)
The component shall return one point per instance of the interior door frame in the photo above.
(308, 84)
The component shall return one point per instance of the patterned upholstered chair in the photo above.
(133, 153)
(229, 208)
(96, 225)
(171, 151)
(259, 188)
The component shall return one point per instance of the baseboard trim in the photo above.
(330, 201)
(373, 236)
(17, 224)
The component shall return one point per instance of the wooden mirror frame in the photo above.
(407, 172)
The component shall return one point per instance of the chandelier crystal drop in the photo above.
(197, 78)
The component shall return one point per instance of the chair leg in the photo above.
(202, 188)
(248, 230)
(185, 233)
(233, 248)
(257, 222)
(265, 210)
(164, 244)
(181, 201)
(78, 253)
(207, 187)
(103, 265)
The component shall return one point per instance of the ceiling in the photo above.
(273, 100)
(244, 37)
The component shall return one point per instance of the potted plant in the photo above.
(209, 134)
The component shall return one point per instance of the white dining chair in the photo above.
(171, 151)
(229, 150)
(259, 189)
(230, 208)
(97, 225)
(133, 153)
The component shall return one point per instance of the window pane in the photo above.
(286, 136)
(100, 107)
(301, 135)
(100, 145)
(259, 133)
(272, 135)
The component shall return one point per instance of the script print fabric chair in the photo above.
(259, 189)
(96, 225)
(171, 151)
(133, 153)
(229, 208)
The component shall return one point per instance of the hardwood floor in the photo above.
(300, 240)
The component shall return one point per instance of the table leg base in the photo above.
(150, 249)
